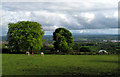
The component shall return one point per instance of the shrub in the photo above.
(84, 49)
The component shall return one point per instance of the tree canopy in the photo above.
(63, 39)
(84, 49)
(25, 36)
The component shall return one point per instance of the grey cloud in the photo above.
(56, 6)
(68, 15)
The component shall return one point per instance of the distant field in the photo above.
(84, 65)
(78, 37)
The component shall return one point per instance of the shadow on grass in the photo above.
(102, 61)
(61, 71)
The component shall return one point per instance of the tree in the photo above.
(64, 46)
(84, 49)
(63, 39)
(25, 35)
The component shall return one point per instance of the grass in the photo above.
(20, 64)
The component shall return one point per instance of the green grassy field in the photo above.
(20, 64)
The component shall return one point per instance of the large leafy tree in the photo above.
(63, 40)
(25, 35)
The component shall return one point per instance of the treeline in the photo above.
(79, 48)
(28, 36)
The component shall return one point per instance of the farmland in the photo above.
(72, 63)
(84, 65)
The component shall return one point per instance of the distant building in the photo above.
(115, 40)
(105, 40)
(111, 40)
(103, 52)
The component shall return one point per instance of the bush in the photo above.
(5, 50)
(84, 49)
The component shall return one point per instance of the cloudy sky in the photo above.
(81, 16)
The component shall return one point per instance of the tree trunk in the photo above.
(31, 49)
(17, 48)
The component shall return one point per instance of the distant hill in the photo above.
(46, 37)
(77, 37)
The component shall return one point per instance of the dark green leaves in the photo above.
(63, 39)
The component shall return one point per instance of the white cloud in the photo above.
(88, 16)
(71, 15)
(81, 31)
(111, 14)
(76, 15)
(27, 13)
(115, 14)
(50, 28)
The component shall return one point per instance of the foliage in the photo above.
(4, 48)
(63, 39)
(25, 35)
(48, 49)
(3, 45)
(110, 47)
(64, 46)
(84, 49)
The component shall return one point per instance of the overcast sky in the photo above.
(81, 16)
